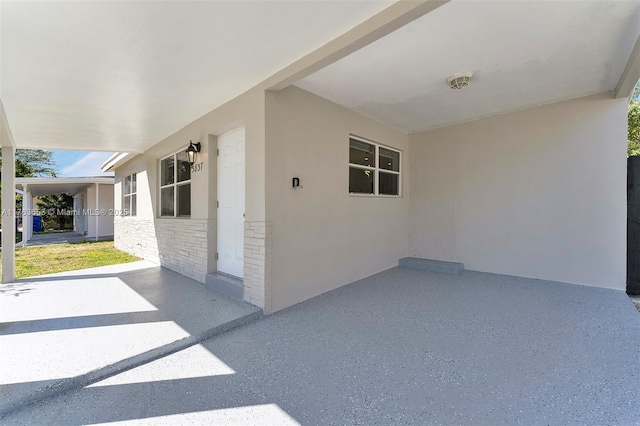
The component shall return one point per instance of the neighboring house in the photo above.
(357, 152)
(90, 213)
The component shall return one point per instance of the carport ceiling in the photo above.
(46, 186)
(121, 76)
(40, 190)
(522, 54)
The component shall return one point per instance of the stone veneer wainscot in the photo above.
(257, 264)
(177, 244)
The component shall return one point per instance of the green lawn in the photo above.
(31, 261)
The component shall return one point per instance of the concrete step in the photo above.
(453, 268)
(225, 284)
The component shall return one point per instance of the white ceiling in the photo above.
(121, 76)
(521, 53)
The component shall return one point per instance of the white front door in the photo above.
(231, 203)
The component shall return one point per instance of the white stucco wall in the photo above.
(105, 203)
(188, 245)
(136, 234)
(539, 193)
(323, 238)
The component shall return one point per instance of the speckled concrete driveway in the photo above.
(65, 330)
(402, 347)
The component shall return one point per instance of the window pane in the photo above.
(184, 169)
(362, 153)
(360, 181)
(388, 184)
(127, 185)
(125, 206)
(389, 160)
(134, 205)
(166, 201)
(184, 200)
(133, 183)
(166, 170)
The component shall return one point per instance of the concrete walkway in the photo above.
(62, 238)
(67, 330)
(401, 347)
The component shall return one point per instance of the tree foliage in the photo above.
(633, 131)
(33, 163)
(53, 208)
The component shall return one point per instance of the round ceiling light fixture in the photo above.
(459, 80)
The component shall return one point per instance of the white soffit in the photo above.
(521, 53)
(121, 76)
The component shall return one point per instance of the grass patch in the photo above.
(41, 260)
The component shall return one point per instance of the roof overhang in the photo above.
(116, 160)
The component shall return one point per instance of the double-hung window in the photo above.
(175, 186)
(129, 199)
(373, 169)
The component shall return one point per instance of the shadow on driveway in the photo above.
(59, 327)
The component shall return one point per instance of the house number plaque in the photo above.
(196, 167)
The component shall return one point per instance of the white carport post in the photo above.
(8, 214)
(30, 215)
(23, 194)
(27, 215)
(97, 212)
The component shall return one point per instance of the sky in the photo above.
(80, 163)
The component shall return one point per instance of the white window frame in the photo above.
(376, 170)
(129, 195)
(175, 185)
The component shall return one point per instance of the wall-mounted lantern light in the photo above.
(192, 151)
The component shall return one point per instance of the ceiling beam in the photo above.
(630, 75)
(385, 22)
